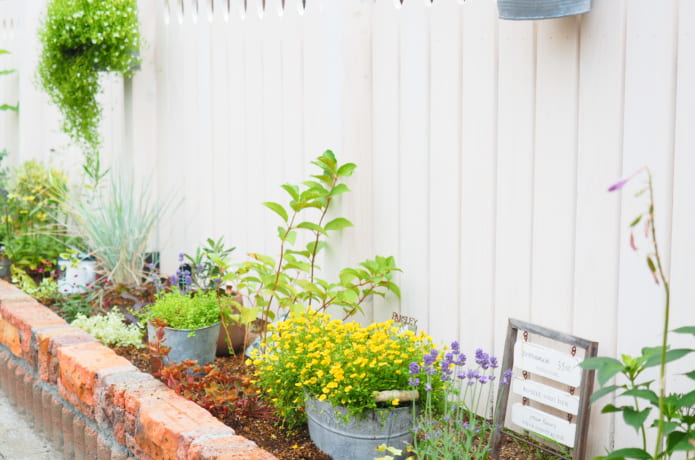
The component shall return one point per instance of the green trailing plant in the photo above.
(115, 225)
(292, 282)
(111, 329)
(674, 414)
(208, 264)
(32, 215)
(81, 38)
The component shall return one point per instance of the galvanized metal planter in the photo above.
(199, 347)
(541, 9)
(357, 438)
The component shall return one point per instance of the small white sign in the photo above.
(547, 395)
(547, 362)
(544, 424)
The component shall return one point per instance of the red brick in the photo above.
(167, 425)
(80, 368)
(26, 316)
(9, 336)
(227, 448)
(103, 450)
(78, 438)
(9, 292)
(49, 340)
(90, 443)
(57, 423)
(67, 420)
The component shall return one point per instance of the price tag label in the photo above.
(547, 395)
(544, 424)
(547, 362)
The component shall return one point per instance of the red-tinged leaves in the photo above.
(632, 242)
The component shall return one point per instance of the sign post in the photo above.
(551, 390)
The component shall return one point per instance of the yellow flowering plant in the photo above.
(345, 364)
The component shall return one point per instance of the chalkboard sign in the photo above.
(548, 391)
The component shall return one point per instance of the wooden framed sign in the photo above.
(547, 398)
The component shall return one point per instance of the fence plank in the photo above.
(599, 164)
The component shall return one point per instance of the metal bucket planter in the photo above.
(541, 9)
(184, 346)
(5, 265)
(75, 276)
(357, 438)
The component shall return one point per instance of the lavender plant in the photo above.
(675, 413)
(457, 425)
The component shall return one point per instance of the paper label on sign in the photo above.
(544, 424)
(547, 395)
(547, 362)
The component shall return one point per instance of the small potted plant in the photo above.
(350, 383)
(188, 324)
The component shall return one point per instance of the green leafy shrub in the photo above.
(111, 329)
(180, 310)
(32, 210)
(80, 38)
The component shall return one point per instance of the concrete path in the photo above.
(18, 440)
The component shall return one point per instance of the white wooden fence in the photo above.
(484, 148)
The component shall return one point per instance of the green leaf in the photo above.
(610, 408)
(339, 190)
(312, 226)
(686, 400)
(686, 330)
(606, 368)
(679, 441)
(691, 375)
(636, 221)
(671, 355)
(346, 169)
(602, 392)
(635, 418)
(347, 275)
(277, 209)
(630, 452)
(293, 190)
(393, 287)
(651, 265)
(649, 395)
(338, 224)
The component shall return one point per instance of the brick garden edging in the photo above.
(94, 404)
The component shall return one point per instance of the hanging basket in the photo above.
(541, 9)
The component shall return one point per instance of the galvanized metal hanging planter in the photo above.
(541, 9)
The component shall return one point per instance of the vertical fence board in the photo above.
(599, 164)
(514, 205)
(445, 170)
(414, 158)
(554, 173)
(649, 89)
(386, 83)
(478, 173)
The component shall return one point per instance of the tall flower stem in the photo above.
(667, 310)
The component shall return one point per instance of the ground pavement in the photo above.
(18, 440)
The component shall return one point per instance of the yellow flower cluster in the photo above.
(343, 363)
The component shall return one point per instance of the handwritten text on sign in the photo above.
(544, 424)
(546, 395)
(547, 362)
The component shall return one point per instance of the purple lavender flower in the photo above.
(506, 377)
(431, 357)
(618, 185)
(181, 256)
(455, 347)
(493, 362)
(428, 387)
(414, 368)
(483, 379)
(461, 375)
(414, 382)
(460, 360)
(449, 357)
(429, 370)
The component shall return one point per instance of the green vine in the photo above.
(80, 38)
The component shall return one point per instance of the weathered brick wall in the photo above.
(94, 404)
